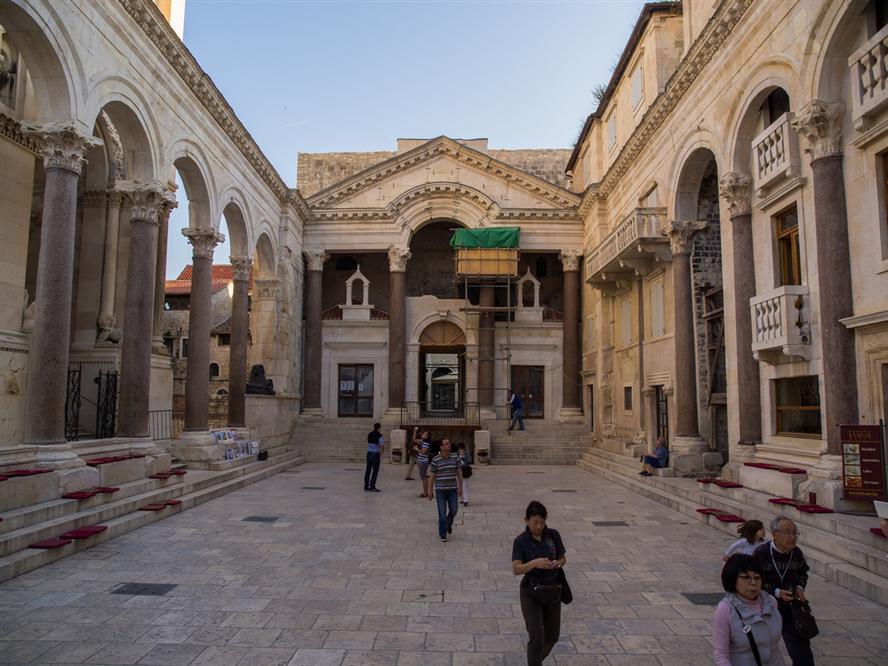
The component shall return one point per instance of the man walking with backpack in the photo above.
(375, 445)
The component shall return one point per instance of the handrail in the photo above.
(438, 413)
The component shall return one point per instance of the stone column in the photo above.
(62, 147)
(398, 257)
(107, 318)
(237, 351)
(197, 379)
(487, 350)
(687, 446)
(160, 279)
(821, 124)
(735, 189)
(147, 202)
(571, 381)
(314, 344)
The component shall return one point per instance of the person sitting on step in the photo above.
(659, 460)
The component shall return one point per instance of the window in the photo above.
(223, 339)
(612, 130)
(787, 224)
(627, 398)
(626, 321)
(661, 413)
(776, 104)
(637, 85)
(356, 390)
(798, 406)
(658, 310)
(184, 347)
(214, 371)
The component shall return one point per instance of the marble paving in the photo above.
(306, 568)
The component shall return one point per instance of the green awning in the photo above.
(490, 238)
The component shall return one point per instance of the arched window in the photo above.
(214, 371)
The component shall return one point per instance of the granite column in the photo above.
(571, 381)
(398, 257)
(240, 329)
(487, 349)
(314, 344)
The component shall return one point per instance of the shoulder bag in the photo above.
(566, 593)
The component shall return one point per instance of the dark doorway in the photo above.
(528, 381)
(661, 413)
(356, 390)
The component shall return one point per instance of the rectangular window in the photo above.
(224, 339)
(627, 398)
(637, 85)
(662, 413)
(626, 321)
(612, 130)
(658, 310)
(356, 390)
(787, 227)
(798, 406)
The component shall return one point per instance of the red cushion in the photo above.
(708, 512)
(813, 508)
(793, 470)
(706, 480)
(26, 472)
(80, 495)
(877, 531)
(106, 490)
(728, 484)
(729, 518)
(173, 502)
(3, 478)
(153, 507)
(784, 501)
(50, 543)
(85, 532)
(179, 472)
(761, 465)
(159, 475)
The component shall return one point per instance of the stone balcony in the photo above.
(869, 79)
(633, 248)
(781, 329)
(775, 154)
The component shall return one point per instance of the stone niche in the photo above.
(360, 310)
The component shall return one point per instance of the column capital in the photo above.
(61, 144)
(682, 233)
(570, 260)
(203, 241)
(147, 199)
(94, 198)
(736, 189)
(242, 267)
(821, 124)
(316, 259)
(398, 257)
(115, 198)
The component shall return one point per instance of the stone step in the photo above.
(123, 515)
(854, 563)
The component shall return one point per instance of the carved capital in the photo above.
(682, 233)
(62, 145)
(570, 260)
(115, 198)
(147, 200)
(203, 241)
(94, 199)
(265, 288)
(736, 190)
(316, 259)
(821, 125)
(398, 257)
(242, 267)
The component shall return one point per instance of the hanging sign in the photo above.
(863, 462)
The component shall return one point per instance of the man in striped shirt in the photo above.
(445, 476)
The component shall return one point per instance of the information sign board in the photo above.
(863, 462)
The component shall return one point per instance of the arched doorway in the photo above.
(442, 354)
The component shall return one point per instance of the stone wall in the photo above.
(547, 164)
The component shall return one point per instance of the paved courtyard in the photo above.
(306, 568)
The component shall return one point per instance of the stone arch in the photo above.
(234, 213)
(839, 27)
(197, 191)
(129, 148)
(433, 202)
(425, 322)
(264, 258)
(442, 333)
(694, 161)
(51, 62)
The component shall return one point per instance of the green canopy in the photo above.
(489, 238)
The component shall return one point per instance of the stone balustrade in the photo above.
(640, 226)
(781, 324)
(775, 154)
(869, 78)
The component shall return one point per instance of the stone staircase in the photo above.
(335, 440)
(838, 547)
(540, 443)
(119, 512)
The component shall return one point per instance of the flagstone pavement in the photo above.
(306, 568)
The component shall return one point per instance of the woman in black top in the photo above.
(538, 554)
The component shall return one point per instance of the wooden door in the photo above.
(528, 381)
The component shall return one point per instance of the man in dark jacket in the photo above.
(785, 576)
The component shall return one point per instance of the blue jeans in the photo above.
(448, 504)
(372, 470)
(517, 416)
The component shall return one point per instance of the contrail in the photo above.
(298, 122)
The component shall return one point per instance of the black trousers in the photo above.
(542, 617)
(372, 470)
(799, 648)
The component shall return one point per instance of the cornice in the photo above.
(160, 33)
(345, 215)
(12, 130)
(446, 147)
(714, 34)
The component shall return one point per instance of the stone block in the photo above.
(22, 491)
(123, 471)
(73, 479)
(482, 447)
(398, 445)
(712, 461)
(771, 481)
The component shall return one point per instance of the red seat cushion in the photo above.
(793, 470)
(729, 518)
(728, 484)
(784, 501)
(26, 472)
(153, 507)
(708, 512)
(705, 481)
(3, 478)
(179, 472)
(877, 531)
(80, 494)
(106, 490)
(173, 502)
(761, 465)
(160, 475)
(85, 532)
(813, 508)
(50, 543)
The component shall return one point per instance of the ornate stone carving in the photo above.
(398, 257)
(736, 190)
(62, 145)
(115, 198)
(107, 325)
(114, 149)
(265, 288)
(316, 259)
(821, 124)
(94, 199)
(147, 200)
(242, 267)
(682, 233)
(570, 259)
(203, 241)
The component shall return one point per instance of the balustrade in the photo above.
(869, 78)
(775, 153)
(642, 224)
(781, 324)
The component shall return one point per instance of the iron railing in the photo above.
(106, 404)
(72, 404)
(162, 425)
(438, 413)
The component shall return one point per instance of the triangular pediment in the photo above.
(443, 164)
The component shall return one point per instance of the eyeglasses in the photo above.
(794, 533)
(752, 578)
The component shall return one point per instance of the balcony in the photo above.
(775, 154)
(869, 79)
(632, 248)
(781, 328)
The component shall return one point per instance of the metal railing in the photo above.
(162, 425)
(440, 414)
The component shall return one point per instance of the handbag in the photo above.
(467, 471)
(748, 631)
(566, 593)
(803, 622)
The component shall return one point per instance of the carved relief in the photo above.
(681, 234)
(61, 144)
(736, 190)
(94, 199)
(203, 241)
(821, 124)
(316, 259)
(398, 257)
(570, 260)
(147, 200)
(242, 267)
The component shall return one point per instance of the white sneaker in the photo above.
(443, 539)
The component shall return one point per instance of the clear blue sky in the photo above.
(355, 76)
